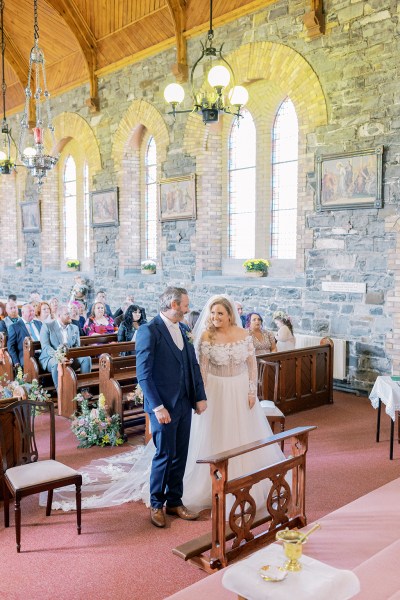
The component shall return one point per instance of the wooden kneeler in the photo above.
(285, 504)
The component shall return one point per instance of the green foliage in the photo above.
(257, 264)
(73, 264)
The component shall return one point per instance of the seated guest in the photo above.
(98, 322)
(58, 333)
(263, 340)
(131, 323)
(18, 331)
(285, 339)
(121, 313)
(82, 313)
(75, 320)
(11, 316)
(43, 312)
(191, 318)
(53, 303)
(35, 297)
(241, 315)
(128, 301)
(13, 297)
(101, 297)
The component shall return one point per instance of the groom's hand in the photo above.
(163, 416)
(201, 407)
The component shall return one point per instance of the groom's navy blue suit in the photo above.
(170, 377)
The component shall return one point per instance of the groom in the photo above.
(169, 375)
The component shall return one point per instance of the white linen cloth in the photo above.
(316, 580)
(389, 392)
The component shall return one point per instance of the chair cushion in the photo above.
(38, 473)
(270, 410)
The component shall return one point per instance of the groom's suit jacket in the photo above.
(51, 339)
(17, 332)
(159, 365)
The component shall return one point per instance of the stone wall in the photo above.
(345, 88)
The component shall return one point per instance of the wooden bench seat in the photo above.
(6, 365)
(285, 504)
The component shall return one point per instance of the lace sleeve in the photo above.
(252, 368)
(204, 357)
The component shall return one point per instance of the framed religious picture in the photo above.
(351, 180)
(30, 216)
(177, 198)
(104, 208)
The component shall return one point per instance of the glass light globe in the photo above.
(174, 93)
(29, 151)
(238, 96)
(219, 76)
(3, 155)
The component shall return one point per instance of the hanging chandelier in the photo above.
(33, 156)
(213, 96)
(7, 141)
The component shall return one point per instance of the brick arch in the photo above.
(287, 74)
(72, 126)
(142, 113)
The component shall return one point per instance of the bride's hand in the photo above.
(252, 401)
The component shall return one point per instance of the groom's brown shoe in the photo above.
(182, 512)
(157, 517)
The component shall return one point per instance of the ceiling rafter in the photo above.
(178, 9)
(68, 10)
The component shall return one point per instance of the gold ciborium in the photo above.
(293, 546)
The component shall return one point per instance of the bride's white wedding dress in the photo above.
(230, 375)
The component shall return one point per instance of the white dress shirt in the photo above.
(64, 332)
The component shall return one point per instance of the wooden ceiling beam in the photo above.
(68, 10)
(178, 10)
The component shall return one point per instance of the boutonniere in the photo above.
(189, 337)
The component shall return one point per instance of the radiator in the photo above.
(339, 351)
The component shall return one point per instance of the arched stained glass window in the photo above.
(242, 188)
(70, 210)
(284, 181)
(151, 199)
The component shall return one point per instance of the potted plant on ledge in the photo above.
(18, 263)
(148, 267)
(73, 264)
(256, 267)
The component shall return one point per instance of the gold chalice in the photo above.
(293, 546)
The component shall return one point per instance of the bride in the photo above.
(233, 418)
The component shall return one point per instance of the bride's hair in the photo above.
(228, 307)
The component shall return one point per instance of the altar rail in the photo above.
(285, 504)
(305, 377)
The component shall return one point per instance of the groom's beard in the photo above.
(178, 315)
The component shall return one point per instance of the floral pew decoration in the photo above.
(94, 426)
(22, 389)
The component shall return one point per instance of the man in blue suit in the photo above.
(12, 316)
(169, 375)
(27, 326)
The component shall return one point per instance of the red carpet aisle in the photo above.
(120, 555)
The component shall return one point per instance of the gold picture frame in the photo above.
(177, 198)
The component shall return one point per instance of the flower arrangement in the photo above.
(93, 426)
(61, 353)
(19, 387)
(257, 264)
(136, 397)
(148, 265)
(18, 263)
(73, 263)
(281, 315)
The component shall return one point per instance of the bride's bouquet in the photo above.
(93, 426)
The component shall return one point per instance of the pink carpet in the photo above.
(120, 554)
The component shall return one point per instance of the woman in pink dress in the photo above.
(98, 323)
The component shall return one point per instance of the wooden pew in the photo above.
(305, 377)
(6, 425)
(285, 504)
(117, 379)
(6, 365)
(70, 382)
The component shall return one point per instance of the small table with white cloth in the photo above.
(386, 390)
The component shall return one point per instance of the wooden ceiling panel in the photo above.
(105, 18)
(198, 11)
(135, 38)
